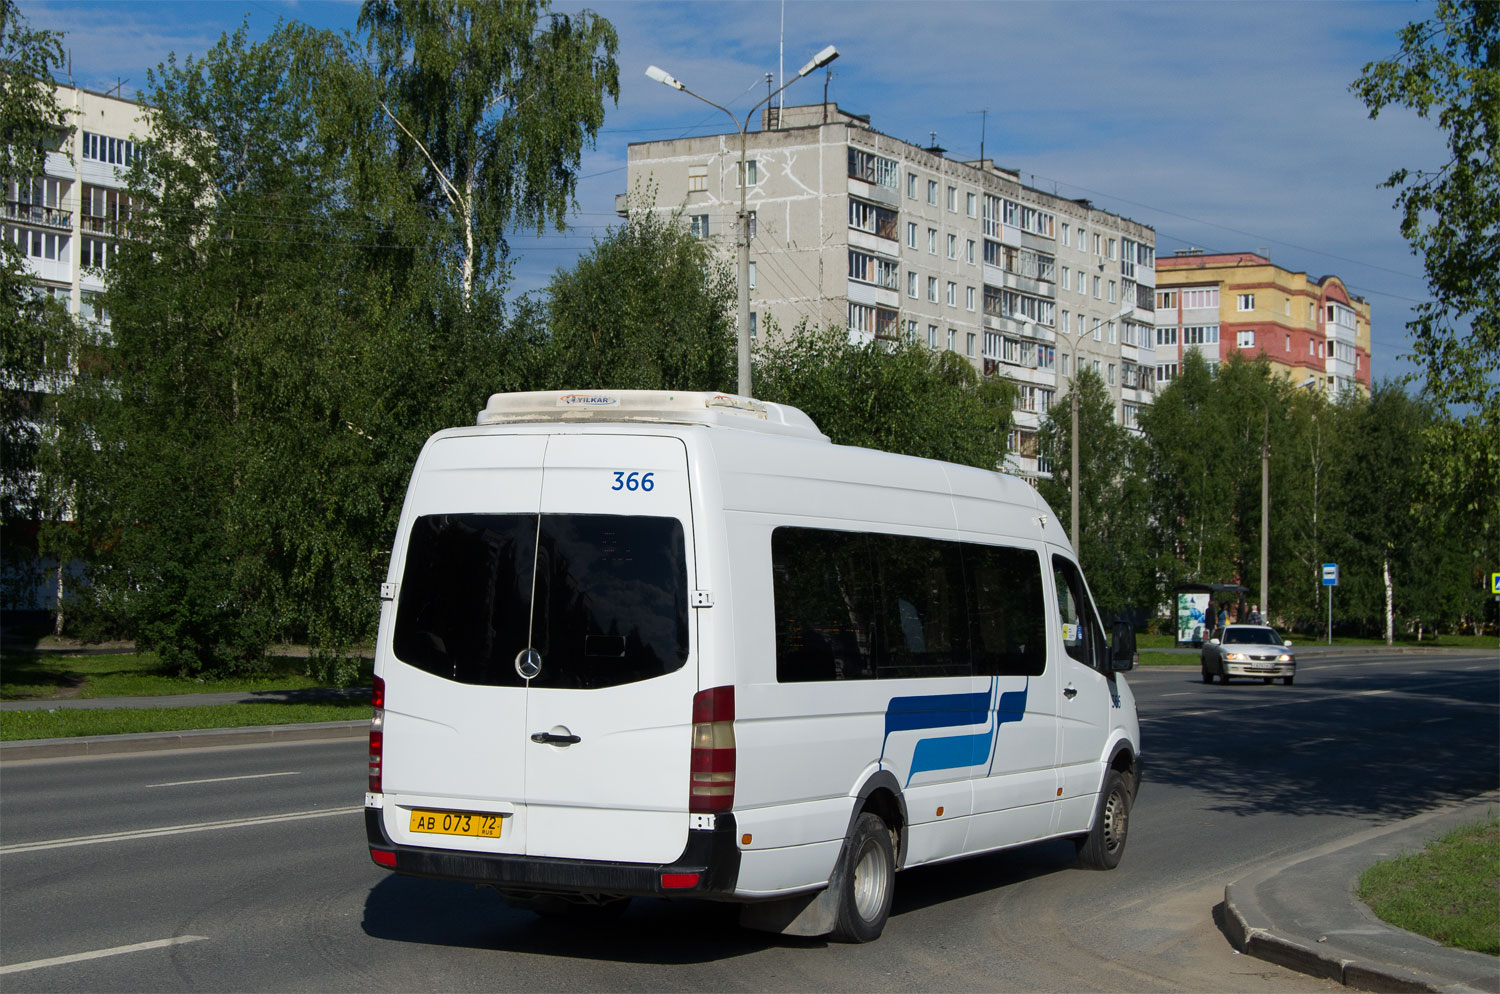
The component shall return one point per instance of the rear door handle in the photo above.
(1068, 692)
(549, 738)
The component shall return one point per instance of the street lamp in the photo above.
(1073, 404)
(1265, 505)
(824, 57)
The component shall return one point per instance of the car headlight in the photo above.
(1235, 656)
(1285, 657)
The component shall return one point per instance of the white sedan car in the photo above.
(1249, 651)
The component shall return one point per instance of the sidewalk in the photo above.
(1302, 914)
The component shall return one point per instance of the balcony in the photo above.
(45, 217)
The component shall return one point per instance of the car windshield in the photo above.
(1250, 636)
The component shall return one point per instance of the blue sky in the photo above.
(1223, 125)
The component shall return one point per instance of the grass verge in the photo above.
(37, 676)
(1449, 892)
(75, 722)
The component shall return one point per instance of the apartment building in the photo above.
(852, 227)
(1241, 302)
(67, 223)
(68, 220)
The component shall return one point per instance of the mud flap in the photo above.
(813, 913)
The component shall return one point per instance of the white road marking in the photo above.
(248, 776)
(151, 833)
(38, 964)
(1184, 693)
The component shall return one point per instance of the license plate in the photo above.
(456, 823)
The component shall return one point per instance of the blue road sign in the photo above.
(1330, 574)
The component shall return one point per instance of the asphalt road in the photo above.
(245, 869)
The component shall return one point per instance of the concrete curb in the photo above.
(205, 738)
(1303, 914)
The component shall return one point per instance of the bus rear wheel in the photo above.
(865, 881)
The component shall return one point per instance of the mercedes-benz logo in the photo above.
(528, 663)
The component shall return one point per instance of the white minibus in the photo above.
(681, 645)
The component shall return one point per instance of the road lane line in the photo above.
(151, 833)
(248, 776)
(137, 947)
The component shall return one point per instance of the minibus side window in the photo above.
(1005, 596)
(1082, 635)
(923, 627)
(825, 605)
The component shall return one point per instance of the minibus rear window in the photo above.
(611, 598)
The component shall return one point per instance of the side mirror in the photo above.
(1122, 647)
(1213, 641)
(1287, 643)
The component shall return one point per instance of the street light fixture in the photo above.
(827, 55)
(1265, 505)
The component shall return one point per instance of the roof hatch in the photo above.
(719, 410)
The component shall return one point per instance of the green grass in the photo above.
(36, 676)
(1149, 658)
(1449, 892)
(74, 722)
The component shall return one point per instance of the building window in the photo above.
(1111, 248)
(699, 224)
(1166, 300)
(953, 246)
(932, 288)
(1064, 324)
(911, 186)
(932, 337)
(969, 295)
(1288, 306)
(970, 351)
(952, 294)
(1097, 284)
(867, 268)
(969, 251)
(697, 179)
(1166, 336)
(1082, 282)
(970, 204)
(1245, 339)
(1166, 372)
(1098, 244)
(878, 221)
(1200, 299)
(1111, 287)
(873, 322)
(1112, 333)
(1246, 301)
(1289, 345)
(754, 329)
(751, 169)
(1065, 364)
(953, 199)
(952, 339)
(911, 234)
(1067, 280)
(932, 192)
(932, 241)
(1067, 236)
(911, 285)
(911, 332)
(1078, 323)
(1111, 374)
(1203, 334)
(874, 169)
(1312, 312)
(102, 148)
(752, 274)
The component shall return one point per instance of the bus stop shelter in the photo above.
(1197, 604)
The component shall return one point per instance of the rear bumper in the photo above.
(713, 855)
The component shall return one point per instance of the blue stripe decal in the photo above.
(950, 711)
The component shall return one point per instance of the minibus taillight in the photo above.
(711, 787)
(377, 734)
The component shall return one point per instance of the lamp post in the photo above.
(1265, 505)
(1073, 405)
(827, 55)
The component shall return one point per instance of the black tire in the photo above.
(1103, 846)
(1224, 677)
(1207, 676)
(1287, 680)
(865, 881)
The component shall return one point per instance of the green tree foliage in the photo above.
(1113, 495)
(1449, 67)
(494, 102)
(32, 326)
(899, 398)
(285, 335)
(649, 308)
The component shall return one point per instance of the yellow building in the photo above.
(1240, 301)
